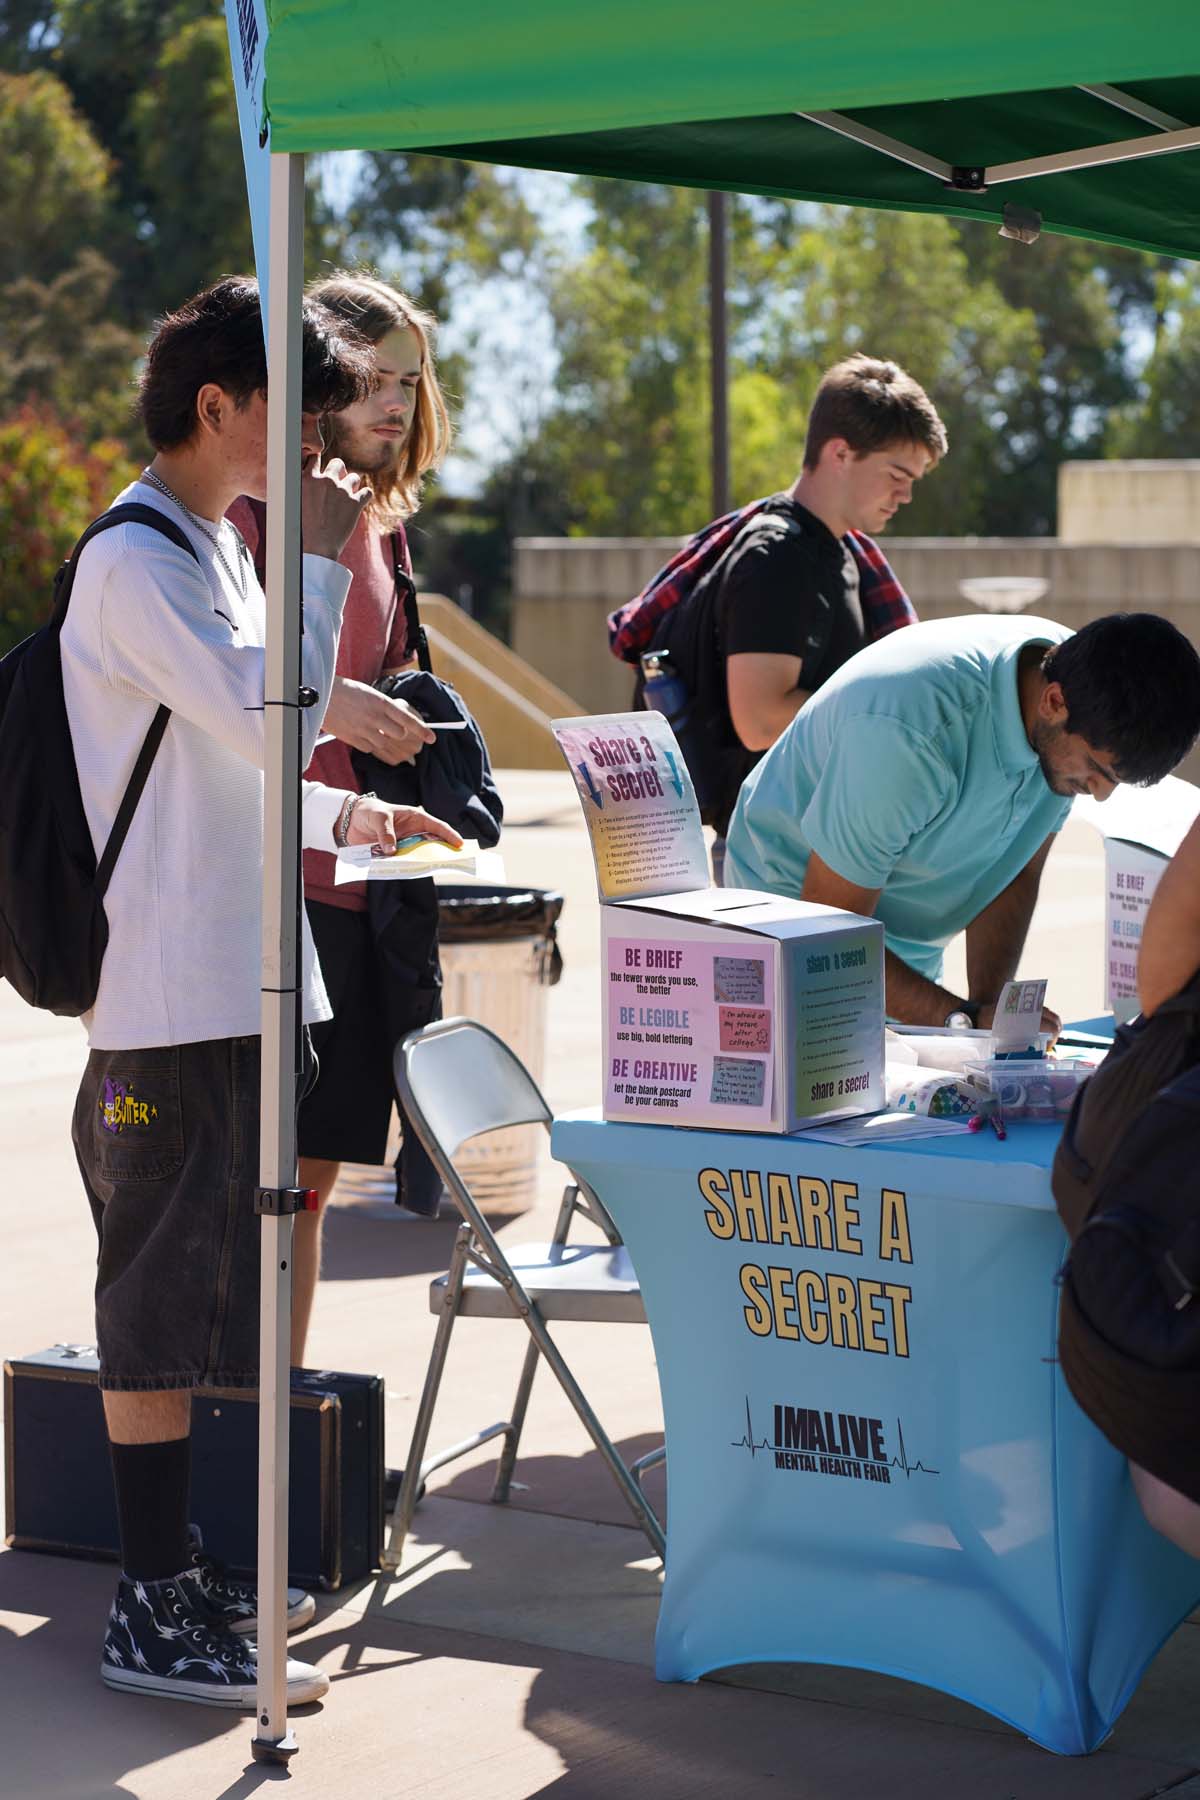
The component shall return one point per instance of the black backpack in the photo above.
(690, 634)
(53, 930)
(1126, 1181)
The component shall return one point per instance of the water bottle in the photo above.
(663, 690)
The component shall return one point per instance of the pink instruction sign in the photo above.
(676, 1051)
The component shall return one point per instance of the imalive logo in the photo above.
(809, 1441)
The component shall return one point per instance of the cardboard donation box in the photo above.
(721, 1007)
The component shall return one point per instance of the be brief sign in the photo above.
(721, 1007)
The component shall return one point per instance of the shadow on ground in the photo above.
(363, 1246)
(577, 1487)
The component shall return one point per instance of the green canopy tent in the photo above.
(1043, 116)
(930, 108)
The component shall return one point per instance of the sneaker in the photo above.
(162, 1640)
(237, 1601)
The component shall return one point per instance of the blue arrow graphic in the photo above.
(676, 778)
(593, 790)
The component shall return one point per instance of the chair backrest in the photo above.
(458, 1079)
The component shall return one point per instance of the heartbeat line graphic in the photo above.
(747, 1440)
(902, 1462)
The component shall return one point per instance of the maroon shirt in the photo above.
(372, 641)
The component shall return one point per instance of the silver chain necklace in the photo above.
(238, 581)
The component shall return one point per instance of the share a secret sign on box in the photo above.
(722, 1007)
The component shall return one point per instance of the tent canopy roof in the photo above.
(696, 93)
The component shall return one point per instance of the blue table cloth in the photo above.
(872, 1457)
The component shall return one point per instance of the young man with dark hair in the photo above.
(925, 782)
(391, 439)
(166, 1121)
(788, 611)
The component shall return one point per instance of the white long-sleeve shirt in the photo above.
(146, 624)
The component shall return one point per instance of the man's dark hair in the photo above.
(1131, 683)
(873, 405)
(218, 337)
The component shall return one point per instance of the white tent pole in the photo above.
(1165, 143)
(977, 179)
(877, 140)
(1140, 109)
(280, 939)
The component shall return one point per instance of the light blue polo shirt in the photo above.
(909, 771)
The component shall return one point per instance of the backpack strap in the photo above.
(133, 793)
(415, 641)
(133, 513)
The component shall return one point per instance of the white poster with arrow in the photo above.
(639, 804)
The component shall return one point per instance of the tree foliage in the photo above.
(50, 490)
(121, 191)
(1028, 352)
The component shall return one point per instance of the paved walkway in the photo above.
(512, 1655)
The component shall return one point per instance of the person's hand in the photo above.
(367, 720)
(379, 822)
(1050, 1021)
(332, 500)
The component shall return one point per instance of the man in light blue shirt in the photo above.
(925, 781)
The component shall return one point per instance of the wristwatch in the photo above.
(965, 1016)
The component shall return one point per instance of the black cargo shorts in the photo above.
(167, 1144)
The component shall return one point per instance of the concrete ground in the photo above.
(512, 1656)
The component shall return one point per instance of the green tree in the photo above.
(54, 179)
(64, 348)
(1164, 420)
(62, 344)
(626, 440)
(1086, 303)
(50, 490)
(436, 221)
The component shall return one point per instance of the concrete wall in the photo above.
(565, 587)
(1150, 502)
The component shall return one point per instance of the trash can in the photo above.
(500, 954)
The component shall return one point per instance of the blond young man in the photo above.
(390, 441)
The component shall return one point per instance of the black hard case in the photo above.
(58, 1493)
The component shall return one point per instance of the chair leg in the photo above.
(410, 1487)
(638, 1505)
(512, 1437)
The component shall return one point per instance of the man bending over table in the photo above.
(925, 781)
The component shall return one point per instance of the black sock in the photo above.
(153, 1483)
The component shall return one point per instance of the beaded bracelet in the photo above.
(341, 831)
(342, 828)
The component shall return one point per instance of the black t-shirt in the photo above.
(790, 593)
(778, 591)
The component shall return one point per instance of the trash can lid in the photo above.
(473, 914)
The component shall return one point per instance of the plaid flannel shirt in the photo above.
(631, 629)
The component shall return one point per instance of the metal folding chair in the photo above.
(458, 1080)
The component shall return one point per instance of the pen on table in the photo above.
(997, 1125)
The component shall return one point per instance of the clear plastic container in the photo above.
(1035, 1087)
